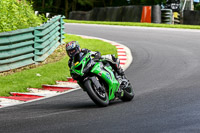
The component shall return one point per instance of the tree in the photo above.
(135, 2)
(118, 3)
(57, 4)
(82, 3)
(43, 4)
(152, 2)
(66, 8)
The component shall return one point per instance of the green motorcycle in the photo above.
(99, 80)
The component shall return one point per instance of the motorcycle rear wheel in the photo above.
(100, 99)
(128, 93)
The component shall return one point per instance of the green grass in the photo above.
(136, 24)
(18, 82)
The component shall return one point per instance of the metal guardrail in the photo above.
(166, 16)
(28, 46)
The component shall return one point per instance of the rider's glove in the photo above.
(97, 55)
(85, 51)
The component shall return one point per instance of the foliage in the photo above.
(135, 2)
(16, 14)
(197, 6)
(85, 2)
(152, 2)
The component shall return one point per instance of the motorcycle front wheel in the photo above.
(98, 97)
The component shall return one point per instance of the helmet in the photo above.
(72, 48)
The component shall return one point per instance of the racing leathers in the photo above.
(110, 59)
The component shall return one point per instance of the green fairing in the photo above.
(83, 63)
(107, 76)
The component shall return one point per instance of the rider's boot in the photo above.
(118, 68)
(120, 71)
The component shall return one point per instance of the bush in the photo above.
(152, 2)
(16, 14)
(197, 6)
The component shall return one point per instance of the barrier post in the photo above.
(146, 14)
(62, 27)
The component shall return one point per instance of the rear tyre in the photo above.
(98, 97)
(128, 93)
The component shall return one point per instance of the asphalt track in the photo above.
(165, 74)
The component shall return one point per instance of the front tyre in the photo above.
(128, 93)
(98, 97)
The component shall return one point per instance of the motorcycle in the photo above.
(100, 80)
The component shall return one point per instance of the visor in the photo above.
(72, 52)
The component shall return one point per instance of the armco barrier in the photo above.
(167, 16)
(16, 49)
(47, 38)
(28, 46)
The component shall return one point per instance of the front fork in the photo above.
(95, 80)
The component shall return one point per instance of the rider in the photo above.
(73, 48)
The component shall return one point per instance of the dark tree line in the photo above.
(64, 6)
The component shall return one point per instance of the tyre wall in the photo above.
(79, 15)
(113, 14)
(191, 17)
(156, 14)
(132, 14)
(122, 14)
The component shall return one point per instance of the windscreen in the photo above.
(78, 57)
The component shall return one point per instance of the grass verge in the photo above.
(20, 81)
(179, 26)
